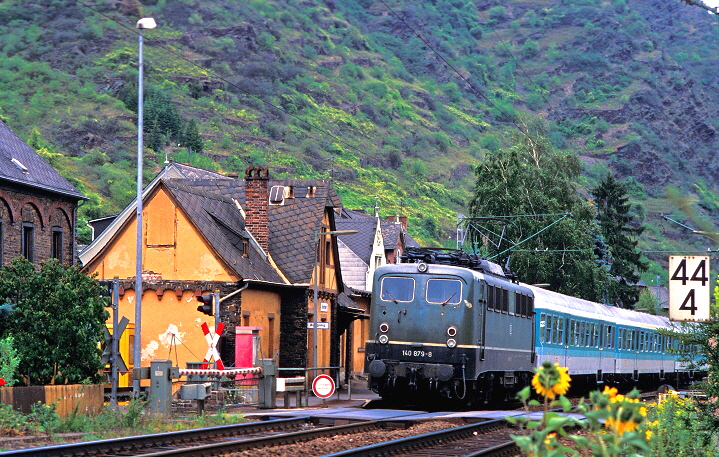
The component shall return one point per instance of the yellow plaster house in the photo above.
(258, 238)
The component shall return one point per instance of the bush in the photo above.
(678, 427)
(530, 49)
(65, 310)
(9, 361)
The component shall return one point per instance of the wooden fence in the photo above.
(87, 399)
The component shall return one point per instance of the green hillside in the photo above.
(395, 101)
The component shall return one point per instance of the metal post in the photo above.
(216, 303)
(138, 220)
(144, 23)
(316, 311)
(115, 340)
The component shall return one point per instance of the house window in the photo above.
(56, 247)
(245, 247)
(28, 241)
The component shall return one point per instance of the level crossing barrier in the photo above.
(161, 374)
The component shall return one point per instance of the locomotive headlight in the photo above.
(422, 267)
(450, 342)
(452, 331)
(383, 327)
(384, 339)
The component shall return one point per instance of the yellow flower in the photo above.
(620, 427)
(548, 440)
(649, 435)
(551, 380)
(562, 386)
(611, 391)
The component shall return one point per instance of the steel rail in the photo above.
(103, 447)
(414, 443)
(227, 447)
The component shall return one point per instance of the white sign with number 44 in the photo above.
(689, 289)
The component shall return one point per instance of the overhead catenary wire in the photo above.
(464, 79)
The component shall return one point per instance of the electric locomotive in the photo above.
(459, 334)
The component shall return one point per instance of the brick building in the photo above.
(38, 207)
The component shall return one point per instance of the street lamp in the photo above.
(316, 280)
(144, 23)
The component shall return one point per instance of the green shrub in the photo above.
(497, 13)
(11, 421)
(679, 428)
(530, 49)
(376, 88)
(9, 360)
(43, 418)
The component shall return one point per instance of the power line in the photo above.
(511, 54)
(468, 82)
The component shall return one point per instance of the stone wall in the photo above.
(46, 215)
(293, 330)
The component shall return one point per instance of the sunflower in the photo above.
(620, 427)
(611, 391)
(551, 380)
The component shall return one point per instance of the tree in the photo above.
(619, 231)
(557, 228)
(191, 138)
(57, 324)
(648, 303)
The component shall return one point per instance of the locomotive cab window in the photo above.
(397, 289)
(444, 291)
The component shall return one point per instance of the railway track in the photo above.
(490, 438)
(138, 445)
(210, 441)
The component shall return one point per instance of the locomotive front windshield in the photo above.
(444, 291)
(397, 289)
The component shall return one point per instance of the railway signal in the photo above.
(689, 289)
(206, 306)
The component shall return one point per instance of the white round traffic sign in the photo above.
(323, 386)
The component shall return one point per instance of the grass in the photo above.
(131, 420)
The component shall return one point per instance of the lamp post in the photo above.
(144, 23)
(316, 280)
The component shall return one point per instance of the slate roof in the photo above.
(354, 269)
(361, 242)
(235, 188)
(20, 164)
(292, 226)
(221, 223)
(292, 237)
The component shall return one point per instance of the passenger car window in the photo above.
(397, 289)
(444, 291)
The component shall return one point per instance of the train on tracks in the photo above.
(450, 327)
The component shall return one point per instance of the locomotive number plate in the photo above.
(414, 353)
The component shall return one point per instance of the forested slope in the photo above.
(395, 101)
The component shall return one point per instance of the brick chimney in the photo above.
(256, 203)
(399, 220)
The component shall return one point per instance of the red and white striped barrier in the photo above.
(221, 373)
